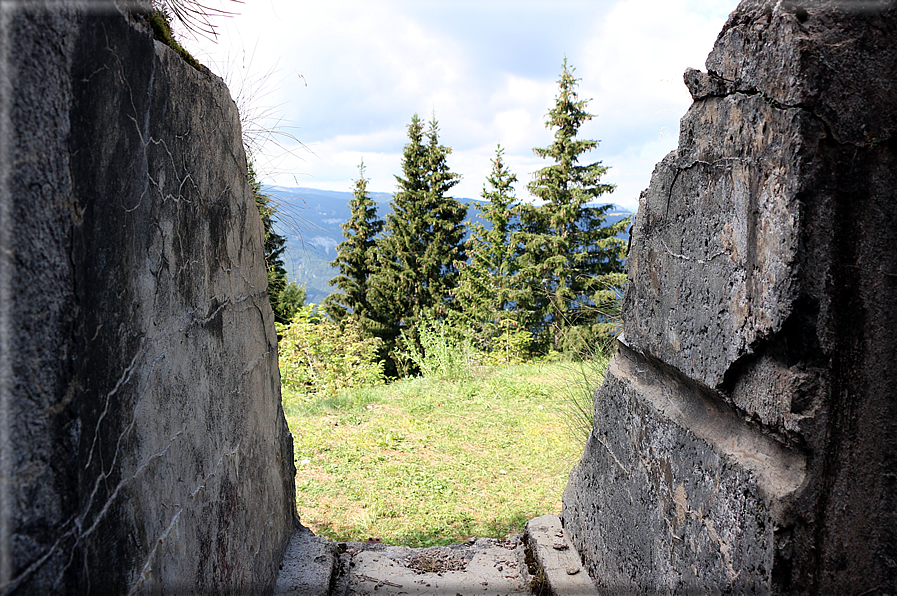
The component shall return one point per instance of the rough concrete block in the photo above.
(744, 437)
(480, 568)
(144, 445)
(673, 491)
(308, 566)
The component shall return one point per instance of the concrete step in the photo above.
(308, 567)
(482, 567)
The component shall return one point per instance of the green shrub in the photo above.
(317, 356)
(442, 351)
(512, 346)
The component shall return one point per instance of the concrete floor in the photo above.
(313, 566)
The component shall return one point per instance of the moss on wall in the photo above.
(162, 31)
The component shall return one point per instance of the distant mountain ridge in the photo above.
(310, 220)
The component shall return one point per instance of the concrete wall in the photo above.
(144, 449)
(746, 433)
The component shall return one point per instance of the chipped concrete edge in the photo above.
(308, 566)
(557, 557)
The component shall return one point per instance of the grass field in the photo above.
(424, 462)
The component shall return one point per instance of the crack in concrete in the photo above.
(148, 566)
(124, 378)
(780, 105)
(603, 442)
(695, 259)
(232, 454)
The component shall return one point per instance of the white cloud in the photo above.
(351, 73)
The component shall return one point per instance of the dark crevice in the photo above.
(797, 341)
(679, 170)
(795, 346)
(783, 563)
(538, 583)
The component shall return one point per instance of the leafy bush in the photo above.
(511, 346)
(501, 340)
(317, 356)
(442, 351)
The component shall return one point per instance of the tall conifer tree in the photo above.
(422, 244)
(356, 259)
(569, 258)
(486, 289)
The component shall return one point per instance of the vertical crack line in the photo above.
(6, 271)
(125, 378)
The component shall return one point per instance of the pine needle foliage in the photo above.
(486, 294)
(286, 297)
(317, 356)
(356, 258)
(416, 272)
(570, 260)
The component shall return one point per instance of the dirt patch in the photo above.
(437, 561)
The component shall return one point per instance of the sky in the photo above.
(322, 86)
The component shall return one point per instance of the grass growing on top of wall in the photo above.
(161, 26)
(429, 461)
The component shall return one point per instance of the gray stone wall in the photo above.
(745, 435)
(144, 449)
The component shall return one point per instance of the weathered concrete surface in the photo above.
(143, 445)
(557, 558)
(309, 566)
(746, 434)
(653, 506)
(314, 566)
(484, 567)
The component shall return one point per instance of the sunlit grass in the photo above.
(422, 462)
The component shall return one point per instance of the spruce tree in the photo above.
(486, 289)
(416, 271)
(356, 258)
(445, 226)
(570, 259)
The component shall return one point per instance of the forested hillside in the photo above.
(310, 220)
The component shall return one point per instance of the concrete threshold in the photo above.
(482, 567)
